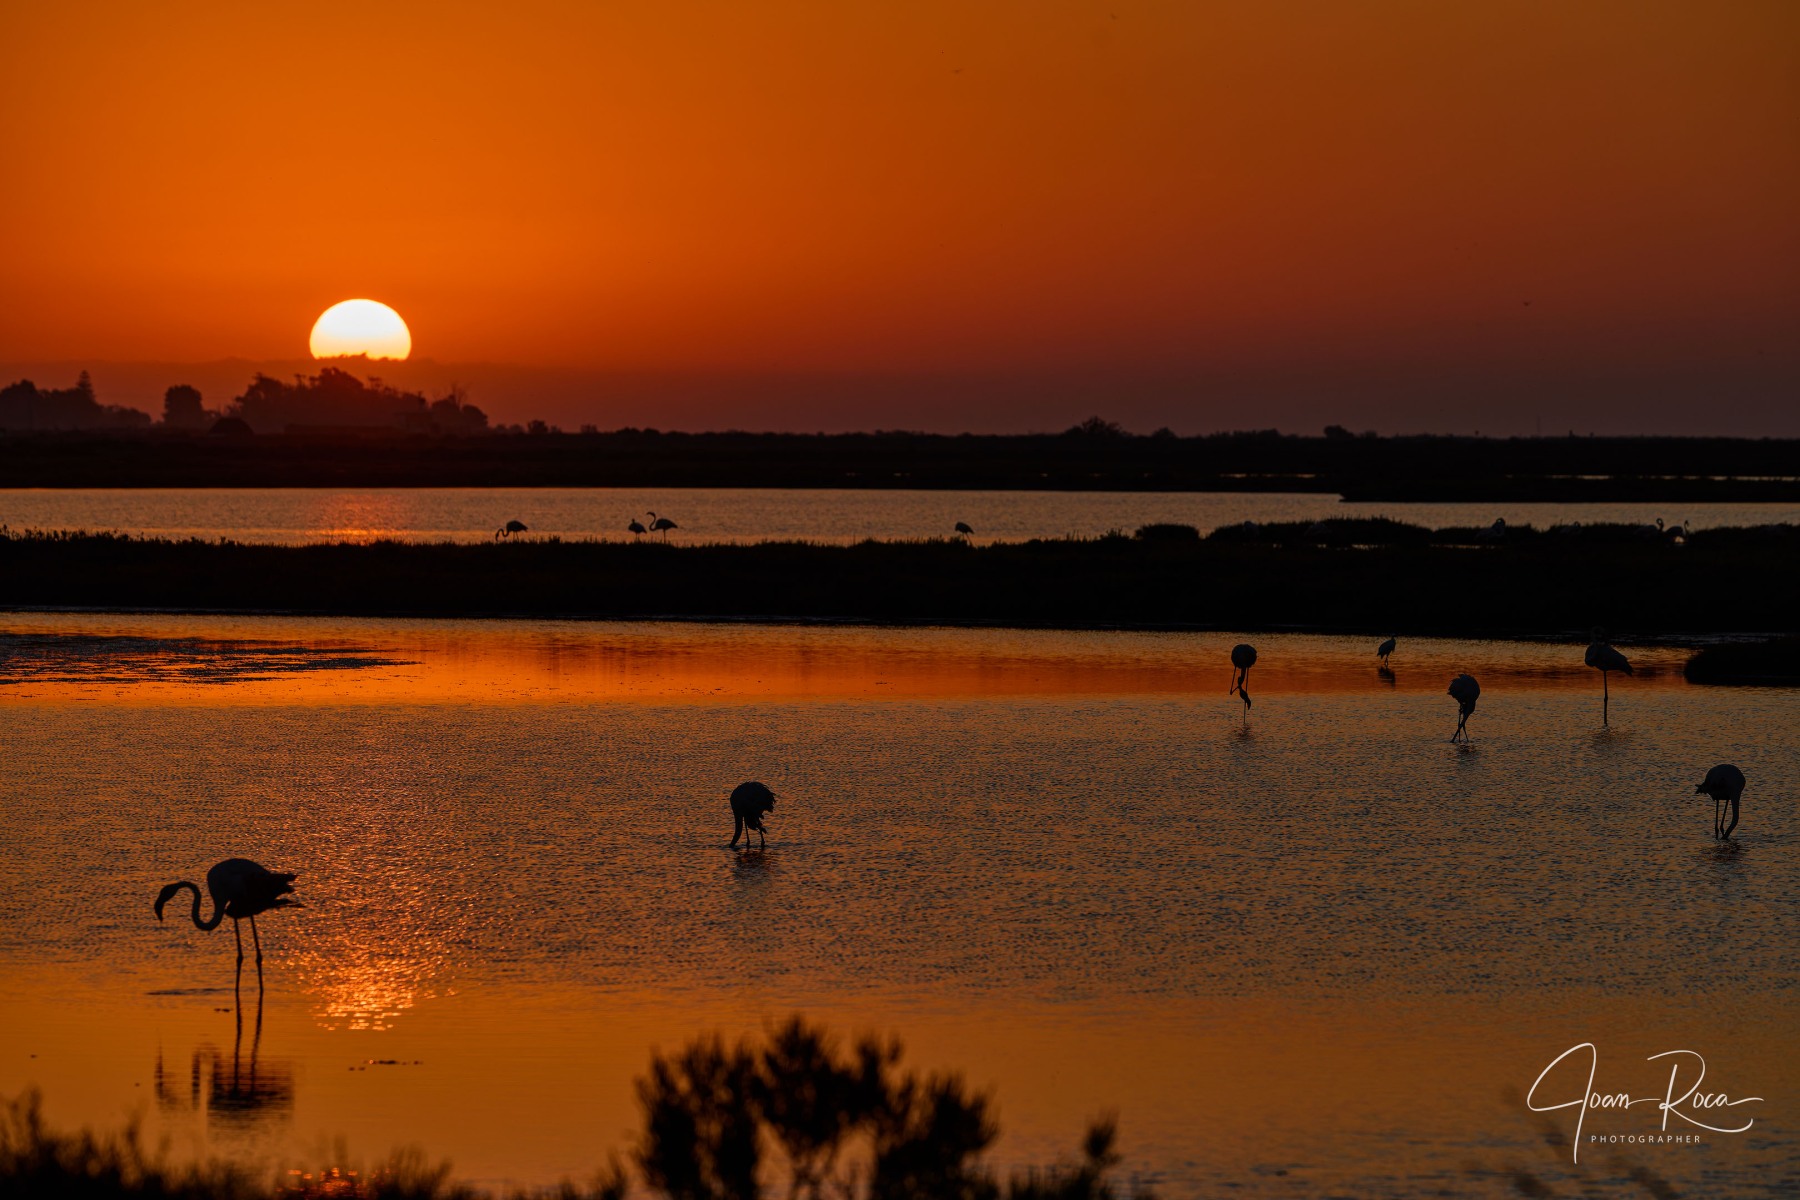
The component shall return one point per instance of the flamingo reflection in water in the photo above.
(236, 1092)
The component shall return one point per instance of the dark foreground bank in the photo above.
(1094, 456)
(1371, 576)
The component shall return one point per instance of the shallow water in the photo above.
(300, 515)
(1315, 951)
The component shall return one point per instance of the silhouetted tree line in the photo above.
(336, 399)
(328, 429)
(24, 405)
(332, 400)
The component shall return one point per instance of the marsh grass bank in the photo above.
(1345, 575)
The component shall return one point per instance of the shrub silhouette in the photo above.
(843, 1124)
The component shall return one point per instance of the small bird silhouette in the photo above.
(1606, 660)
(1465, 691)
(962, 527)
(1386, 648)
(636, 527)
(1243, 657)
(749, 801)
(508, 529)
(1725, 784)
(239, 888)
(662, 525)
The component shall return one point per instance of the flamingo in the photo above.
(1243, 657)
(749, 801)
(1606, 660)
(636, 527)
(508, 529)
(1386, 648)
(239, 889)
(1494, 532)
(1465, 691)
(662, 525)
(962, 527)
(1725, 784)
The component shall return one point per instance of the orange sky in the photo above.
(1210, 214)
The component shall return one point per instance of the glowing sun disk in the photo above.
(360, 327)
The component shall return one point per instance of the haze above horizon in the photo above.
(1395, 215)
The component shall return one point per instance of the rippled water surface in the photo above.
(298, 515)
(1317, 950)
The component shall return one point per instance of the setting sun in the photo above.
(360, 327)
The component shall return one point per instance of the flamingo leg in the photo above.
(1734, 819)
(257, 939)
(1605, 698)
(237, 983)
(737, 831)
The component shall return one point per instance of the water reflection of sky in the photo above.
(50, 656)
(300, 515)
(1061, 861)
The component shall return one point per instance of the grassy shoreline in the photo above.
(1334, 576)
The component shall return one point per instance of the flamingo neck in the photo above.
(217, 916)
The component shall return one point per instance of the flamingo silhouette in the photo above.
(636, 527)
(1725, 784)
(662, 525)
(1243, 657)
(749, 801)
(1606, 660)
(508, 529)
(1386, 648)
(963, 528)
(239, 888)
(1465, 691)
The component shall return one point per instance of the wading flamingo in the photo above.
(963, 528)
(239, 888)
(1606, 660)
(1243, 657)
(662, 525)
(508, 529)
(1725, 784)
(1465, 691)
(1386, 648)
(636, 528)
(749, 801)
